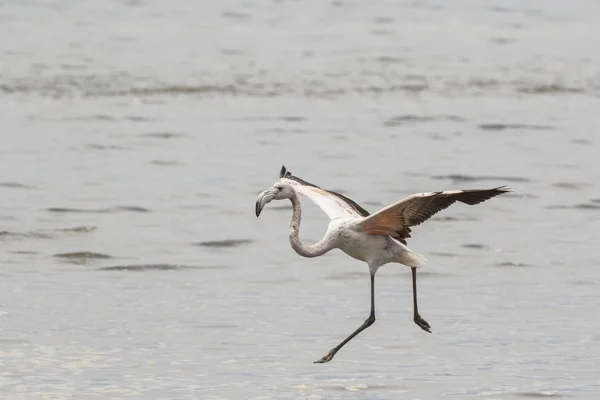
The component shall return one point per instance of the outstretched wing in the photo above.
(413, 210)
(334, 204)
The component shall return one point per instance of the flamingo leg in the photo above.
(417, 318)
(368, 322)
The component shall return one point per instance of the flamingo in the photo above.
(376, 239)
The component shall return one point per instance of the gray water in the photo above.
(136, 135)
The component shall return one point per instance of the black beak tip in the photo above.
(257, 209)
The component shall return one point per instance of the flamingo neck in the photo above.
(315, 250)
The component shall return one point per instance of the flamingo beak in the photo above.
(263, 198)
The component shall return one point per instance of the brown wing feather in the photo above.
(402, 235)
(396, 219)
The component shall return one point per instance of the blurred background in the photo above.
(135, 136)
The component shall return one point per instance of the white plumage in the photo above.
(376, 239)
(332, 205)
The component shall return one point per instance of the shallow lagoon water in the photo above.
(137, 135)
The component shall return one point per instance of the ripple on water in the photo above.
(511, 264)
(93, 117)
(456, 178)
(160, 267)
(78, 229)
(443, 218)
(224, 243)
(571, 185)
(320, 85)
(476, 246)
(81, 257)
(286, 118)
(7, 235)
(217, 326)
(413, 119)
(580, 141)
(549, 88)
(444, 254)
(275, 281)
(585, 282)
(519, 195)
(98, 210)
(542, 394)
(292, 118)
(235, 15)
(107, 117)
(343, 276)
(163, 135)
(502, 127)
(594, 204)
(282, 131)
(503, 40)
(16, 185)
(44, 234)
(94, 146)
(23, 252)
(166, 163)
(427, 273)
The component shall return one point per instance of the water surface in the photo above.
(136, 136)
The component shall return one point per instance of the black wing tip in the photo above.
(497, 191)
(284, 172)
(502, 189)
